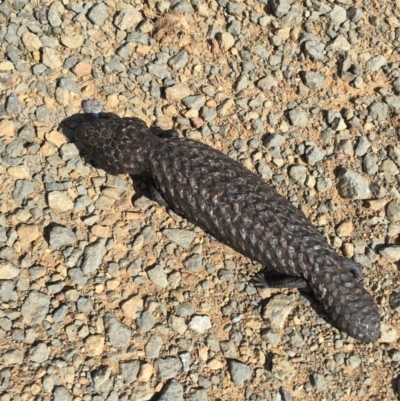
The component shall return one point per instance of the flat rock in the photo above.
(352, 185)
(239, 371)
(94, 345)
(298, 174)
(158, 276)
(226, 41)
(314, 49)
(50, 58)
(393, 211)
(118, 334)
(172, 391)
(280, 7)
(314, 80)
(31, 41)
(375, 63)
(338, 15)
(129, 370)
(391, 253)
(8, 270)
(98, 14)
(181, 237)
(200, 323)
(93, 256)
(39, 353)
(128, 19)
(388, 333)
(73, 41)
(298, 117)
(61, 236)
(7, 128)
(132, 305)
(340, 43)
(177, 92)
(277, 310)
(13, 357)
(167, 368)
(35, 307)
(267, 83)
(60, 202)
(28, 234)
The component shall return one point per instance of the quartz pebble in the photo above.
(200, 324)
(8, 270)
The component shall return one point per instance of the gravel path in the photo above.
(104, 294)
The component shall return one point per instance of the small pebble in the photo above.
(351, 185)
(239, 372)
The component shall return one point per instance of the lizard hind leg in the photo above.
(156, 196)
(278, 281)
(354, 268)
(169, 133)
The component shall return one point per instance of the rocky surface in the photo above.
(104, 294)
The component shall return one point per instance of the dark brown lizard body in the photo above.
(239, 209)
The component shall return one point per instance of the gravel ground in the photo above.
(104, 294)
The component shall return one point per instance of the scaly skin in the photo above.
(239, 209)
